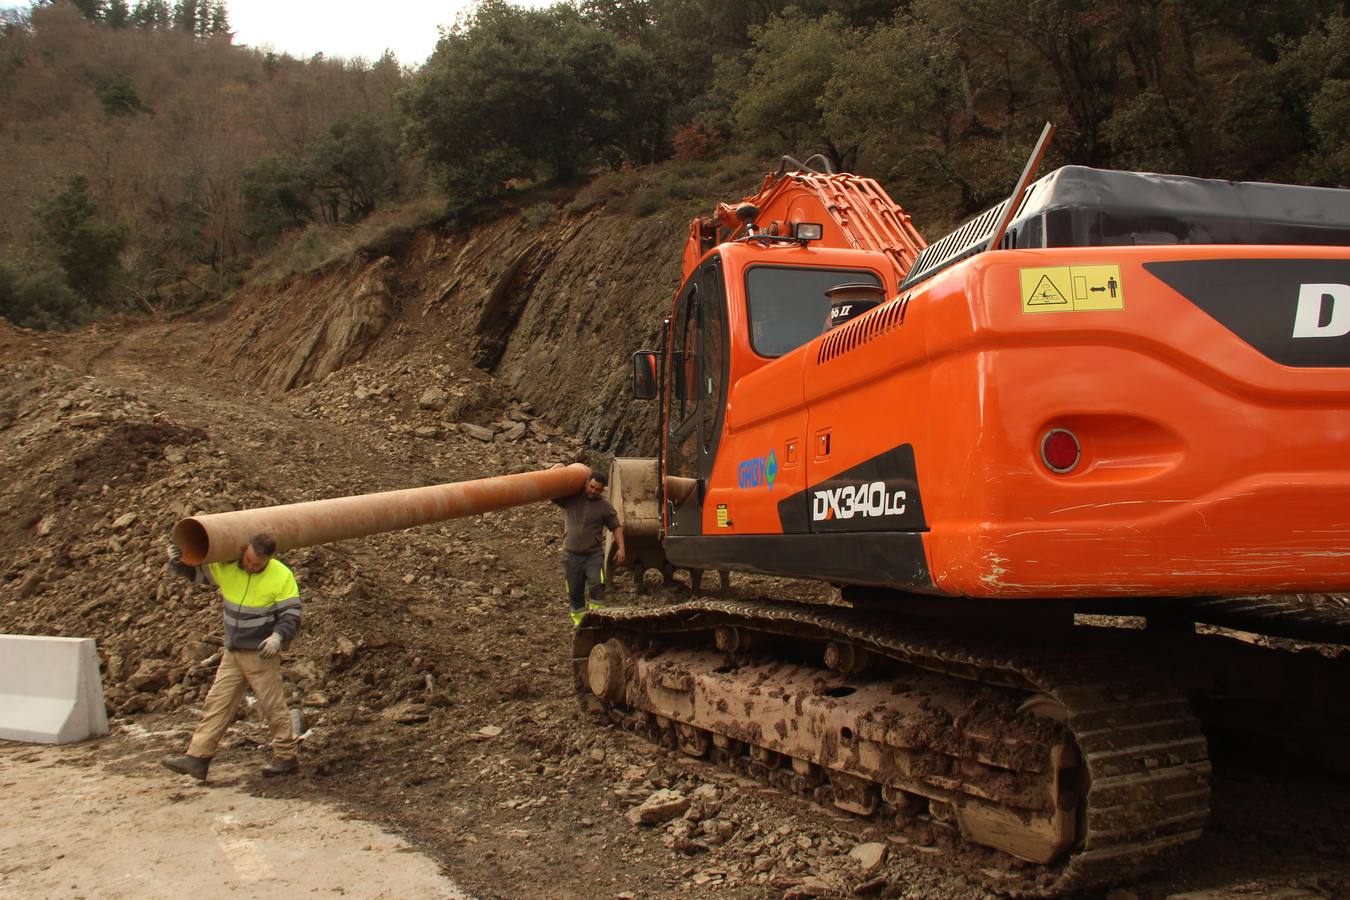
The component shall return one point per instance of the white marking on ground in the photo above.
(243, 853)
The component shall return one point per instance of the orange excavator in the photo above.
(1056, 463)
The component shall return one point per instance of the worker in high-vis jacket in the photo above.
(262, 617)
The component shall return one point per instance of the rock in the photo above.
(433, 398)
(124, 520)
(152, 676)
(870, 886)
(705, 792)
(598, 754)
(344, 651)
(489, 731)
(427, 431)
(196, 651)
(869, 856)
(45, 525)
(514, 433)
(175, 455)
(316, 698)
(408, 713)
(811, 887)
(1121, 894)
(30, 585)
(304, 671)
(662, 806)
(477, 432)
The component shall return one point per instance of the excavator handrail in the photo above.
(865, 216)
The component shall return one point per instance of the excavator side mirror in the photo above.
(644, 375)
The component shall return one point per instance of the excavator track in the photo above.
(1319, 618)
(1135, 764)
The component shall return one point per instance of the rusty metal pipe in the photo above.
(221, 537)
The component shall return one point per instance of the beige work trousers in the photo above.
(240, 669)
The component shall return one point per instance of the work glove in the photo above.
(270, 647)
(177, 565)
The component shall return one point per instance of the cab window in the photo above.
(787, 306)
(714, 356)
(684, 358)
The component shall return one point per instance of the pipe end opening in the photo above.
(192, 541)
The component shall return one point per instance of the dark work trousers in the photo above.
(584, 571)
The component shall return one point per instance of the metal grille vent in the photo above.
(862, 330)
(968, 240)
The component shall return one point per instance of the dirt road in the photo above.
(76, 826)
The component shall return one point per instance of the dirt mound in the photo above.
(553, 312)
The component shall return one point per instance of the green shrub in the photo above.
(535, 216)
(40, 299)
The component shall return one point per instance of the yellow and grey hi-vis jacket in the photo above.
(256, 605)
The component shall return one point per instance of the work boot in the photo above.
(281, 767)
(195, 766)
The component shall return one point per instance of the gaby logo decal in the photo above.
(872, 500)
(761, 471)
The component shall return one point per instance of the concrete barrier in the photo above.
(51, 691)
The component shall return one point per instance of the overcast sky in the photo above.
(343, 27)
(340, 27)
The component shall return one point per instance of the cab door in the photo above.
(697, 396)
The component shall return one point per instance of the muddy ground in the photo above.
(433, 669)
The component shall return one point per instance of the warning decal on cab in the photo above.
(1071, 289)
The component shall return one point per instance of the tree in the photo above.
(790, 62)
(278, 195)
(1284, 119)
(186, 15)
(118, 96)
(151, 14)
(219, 23)
(517, 93)
(118, 14)
(350, 168)
(92, 10)
(908, 97)
(87, 249)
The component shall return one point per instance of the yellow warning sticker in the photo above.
(1072, 289)
(722, 519)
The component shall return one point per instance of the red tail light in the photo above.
(1060, 451)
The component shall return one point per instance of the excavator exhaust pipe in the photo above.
(221, 537)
